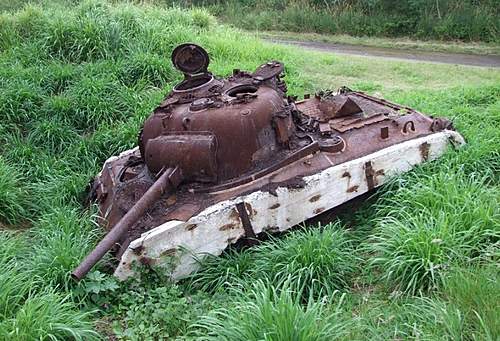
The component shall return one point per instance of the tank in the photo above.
(222, 160)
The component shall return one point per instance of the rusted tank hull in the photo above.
(284, 198)
(244, 158)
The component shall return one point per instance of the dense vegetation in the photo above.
(467, 20)
(418, 260)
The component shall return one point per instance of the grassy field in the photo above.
(419, 260)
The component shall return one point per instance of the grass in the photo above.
(314, 262)
(75, 85)
(265, 313)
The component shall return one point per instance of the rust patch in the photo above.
(138, 250)
(235, 216)
(275, 206)
(315, 198)
(171, 200)
(191, 227)
(319, 210)
(146, 261)
(250, 210)
(352, 189)
(346, 175)
(228, 227)
(424, 150)
(169, 252)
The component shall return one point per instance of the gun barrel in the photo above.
(160, 186)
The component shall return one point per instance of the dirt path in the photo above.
(436, 57)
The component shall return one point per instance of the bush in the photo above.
(423, 19)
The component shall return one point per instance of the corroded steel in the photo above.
(235, 135)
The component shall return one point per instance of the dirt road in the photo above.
(436, 57)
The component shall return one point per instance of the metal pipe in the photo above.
(154, 193)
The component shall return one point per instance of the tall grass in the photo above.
(315, 262)
(269, 313)
(431, 222)
(28, 309)
(445, 19)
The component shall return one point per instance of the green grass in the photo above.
(265, 313)
(315, 262)
(75, 85)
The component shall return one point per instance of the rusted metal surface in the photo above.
(241, 134)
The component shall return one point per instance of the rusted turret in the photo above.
(224, 158)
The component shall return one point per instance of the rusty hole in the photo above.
(275, 206)
(315, 198)
(191, 227)
(346, 175)
(186, 121)
(424, 150)
(352, 189)
(227, 227)
(319, 210)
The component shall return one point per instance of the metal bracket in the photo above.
(245, 220)
(370, 175)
